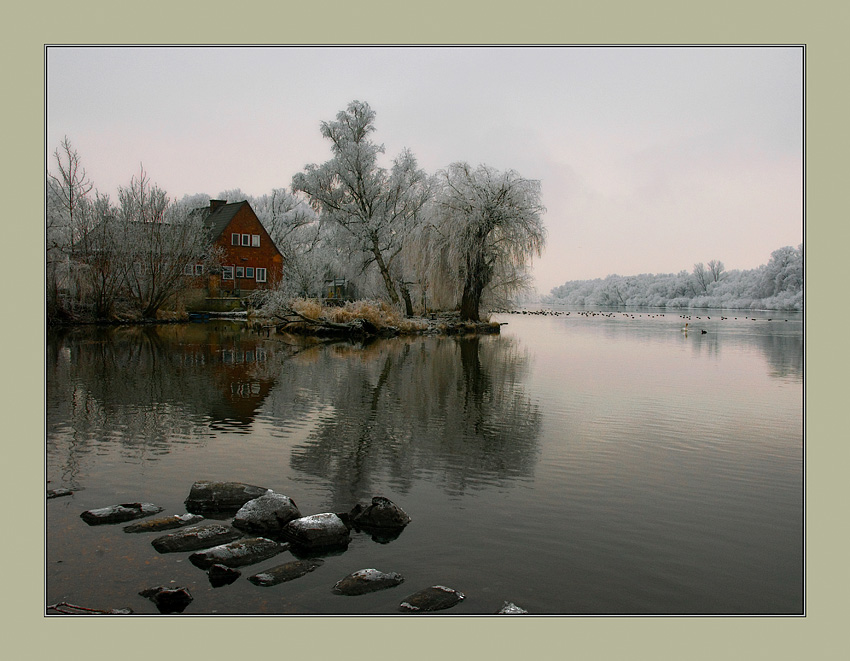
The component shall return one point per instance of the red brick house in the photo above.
(249, 258)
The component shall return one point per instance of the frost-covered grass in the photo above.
(379, 313)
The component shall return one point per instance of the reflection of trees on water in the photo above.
(778, 340)
(145, 386)
(451, 407)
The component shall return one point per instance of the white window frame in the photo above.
(246, 239)
(188, 270)
(255, 240)
(249, 272)
(199, 269)
(235, 239)
(261, 274)
(227, 273)
(240, 272)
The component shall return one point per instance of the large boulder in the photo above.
(119, 513)
(381, 513)
(239, 553)
(267, 514)
(285, 572)
(164, 523)
(319, 531)
(367, 580)
(435, 598)
(195, 538)
(221, 497)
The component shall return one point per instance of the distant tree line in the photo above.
(460, 239)
(777, 285)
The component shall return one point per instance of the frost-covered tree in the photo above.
(68, 191)
(487, 227)
(374, 207)
(159, 239)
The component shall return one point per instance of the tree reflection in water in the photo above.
(453, 408)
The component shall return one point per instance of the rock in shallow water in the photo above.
(119, 513)
(285, 572)
(435, 598)
(195, 538)
(381, 513)
(367, 580)
(239, 553)
(168, 600)
(318, 531)
(267, 514)
(164, 523)
(509, 608)
(220, 575)
(223, 497)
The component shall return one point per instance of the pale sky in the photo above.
(650, 159)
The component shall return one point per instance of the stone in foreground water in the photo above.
(164, 523)
(168, 600)
(238, 553)
(267, 514)
(119, 513)
(318, 531)
(196, 538)
(220, 575)
(381, 513)
(223, 497)
(435, 598)
(285, 572)
(510, 608)
(367, 580)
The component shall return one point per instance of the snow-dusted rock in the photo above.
(266, 514)
(435, 598)
(168, 600)
(164, 523)
(238, 553)
(196, 537)
(367, 580)
(381, 513)
(285, 572)
(510, 608)
(119, 513)
(58, 493)
(226, 497)
(317, 531)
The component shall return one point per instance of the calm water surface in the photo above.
(576, 464)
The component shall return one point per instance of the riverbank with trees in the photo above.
(777, 285)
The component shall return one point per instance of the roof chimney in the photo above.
(215, 204)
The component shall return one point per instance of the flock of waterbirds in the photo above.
(617, 314)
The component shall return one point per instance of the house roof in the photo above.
(219, 218)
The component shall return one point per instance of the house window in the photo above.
(261, 275)
(249, 271)
(240, 272)
(199, 269)
(234, 239)
(188, 269)
(246, 239)
(255, 240)
(227, 273)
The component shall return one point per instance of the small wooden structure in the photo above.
(336, 291)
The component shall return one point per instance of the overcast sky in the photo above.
(650, 159)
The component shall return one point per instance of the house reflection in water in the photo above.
(242, 379)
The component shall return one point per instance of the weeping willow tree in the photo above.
(486, 228)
